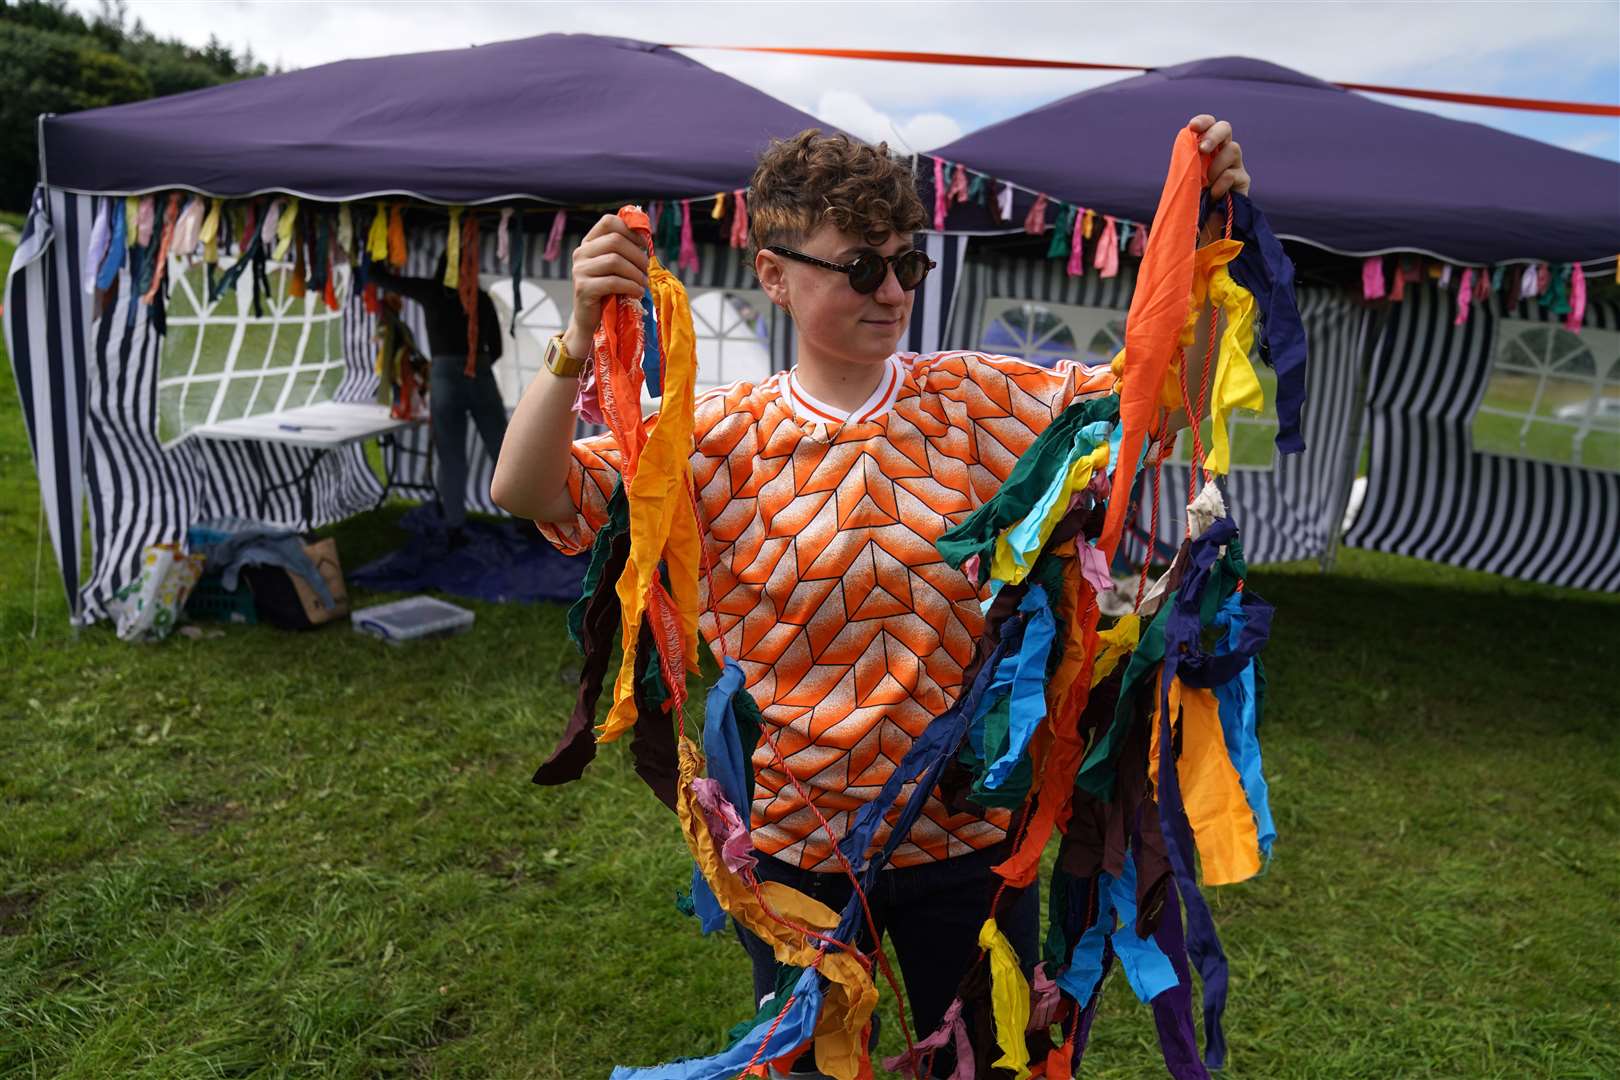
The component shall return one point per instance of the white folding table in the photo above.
(322, 428)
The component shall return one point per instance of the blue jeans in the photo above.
(452, 397)
(930, 913)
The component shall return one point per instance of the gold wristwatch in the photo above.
(559, 362)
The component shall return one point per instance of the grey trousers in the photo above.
(452, 398)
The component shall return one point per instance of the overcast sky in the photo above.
(1567, 51)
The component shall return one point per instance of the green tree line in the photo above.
(56, 60)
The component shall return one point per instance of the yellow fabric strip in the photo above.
(1235, 385)
(209, 233)
(377, 236)
(284, 228)
(1118, 642)
(659, 493)
(452, 251)
(1009, 1000)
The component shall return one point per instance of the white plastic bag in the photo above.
(148, 608)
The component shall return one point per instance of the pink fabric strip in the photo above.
(554, 239)
(940, 195)
(503, 249)
(736, 851)
(1107, 259)
(1035, 220)
(1372, 278)
(145, 215)
(587, 402)
(1139, 240)
(952, 1029)
(1577, 299)
(959, 185)
(739, 220)
(1465, 297)
(688, 258)
(1077, 263)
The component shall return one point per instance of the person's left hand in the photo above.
(1226, 171)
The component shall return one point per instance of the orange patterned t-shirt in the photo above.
(851, 631)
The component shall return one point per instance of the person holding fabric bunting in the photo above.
(846, 639)
(458, 387)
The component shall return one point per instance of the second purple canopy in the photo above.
(1332, 167)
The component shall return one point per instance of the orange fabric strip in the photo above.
(1153, 327)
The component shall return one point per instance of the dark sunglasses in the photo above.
(867, 272)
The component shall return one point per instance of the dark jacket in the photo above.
(446, 323)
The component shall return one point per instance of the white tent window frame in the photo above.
(547, 307)
(1552, 395)
(732, 329)
(295, 349)
(733, 332)
(1044, 333)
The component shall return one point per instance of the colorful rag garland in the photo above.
(1132, 742)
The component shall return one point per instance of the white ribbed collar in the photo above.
(807, 406)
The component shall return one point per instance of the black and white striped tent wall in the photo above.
(47, 325)
(88, 384)
(90, 397)
(1288, 512)
(1429, 494)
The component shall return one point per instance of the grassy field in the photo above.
(272, 855)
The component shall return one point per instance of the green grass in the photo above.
(270, 854)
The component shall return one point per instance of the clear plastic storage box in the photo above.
(413, 617)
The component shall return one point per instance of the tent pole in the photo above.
(1374, 321)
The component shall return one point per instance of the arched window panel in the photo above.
(219, 361)
(1046, 333)
(547, 306)
(1553, 395)
(733, 331)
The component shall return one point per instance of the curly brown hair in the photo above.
(813, 178)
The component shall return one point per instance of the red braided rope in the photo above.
(769, 1034)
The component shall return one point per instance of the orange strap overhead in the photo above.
(1498, 101)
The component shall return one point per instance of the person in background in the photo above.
(453, 395)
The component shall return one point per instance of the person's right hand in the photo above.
(610, 261)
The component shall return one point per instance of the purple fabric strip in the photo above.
(1172, 1010)
(1202, 942)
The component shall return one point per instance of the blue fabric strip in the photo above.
(651, 356)
(1239, 723)
(1024, 676)
(797, 1027)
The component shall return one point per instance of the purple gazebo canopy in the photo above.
(565, 118)
(1332, 168)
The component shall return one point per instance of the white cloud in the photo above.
(927, 130)
(1587, 142)
(849, 110)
